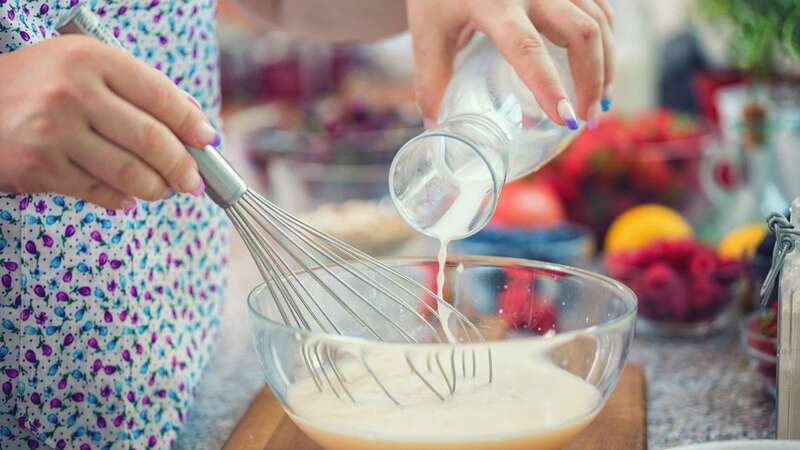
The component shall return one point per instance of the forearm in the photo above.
(332, 20)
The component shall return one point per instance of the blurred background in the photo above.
(668, 194)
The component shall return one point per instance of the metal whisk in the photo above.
(344, 292)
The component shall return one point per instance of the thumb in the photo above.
(433, 67)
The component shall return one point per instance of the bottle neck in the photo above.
(485, 136)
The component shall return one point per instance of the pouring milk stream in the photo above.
(446, 182)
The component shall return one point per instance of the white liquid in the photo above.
(473, 182)
(531, 404)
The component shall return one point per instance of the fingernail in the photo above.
(567, 114)
(199, 191)
(192, 183)
(207, 135)
(195, 102)
(593, 116)
(129, 203)
(605, 102)
(429, 123)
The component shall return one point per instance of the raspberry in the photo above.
(620, 265)
(679, 252)
(706, 297)
(664, 287)
(660, 277)
(646, 306)
(728, 271)
(702, 264)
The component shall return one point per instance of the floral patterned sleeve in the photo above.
(108, 317)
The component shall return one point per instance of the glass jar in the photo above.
(446, 181)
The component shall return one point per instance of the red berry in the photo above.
(728, 271)
(726, 175)
(702, 264)
(679, 252)
(621, 265)
(544, 317)
(706, 297)
(665, 286)
(521, 309)
(660, 277)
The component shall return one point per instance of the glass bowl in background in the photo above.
(683, 287)
(655, 157)
(761, 348)
(328, 162)
(577, 323)
(568, 243)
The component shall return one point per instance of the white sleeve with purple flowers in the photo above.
(109, 317)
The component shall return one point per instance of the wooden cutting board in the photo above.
(621, 425)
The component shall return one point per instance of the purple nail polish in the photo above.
(217, 140)
(572, 124)
(567, 114)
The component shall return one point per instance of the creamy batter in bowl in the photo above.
(557, 338)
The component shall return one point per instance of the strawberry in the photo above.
(521, 309)
(514, 304)
(430, 270)
(544, 317)
(651, 173)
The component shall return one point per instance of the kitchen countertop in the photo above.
(698, 391)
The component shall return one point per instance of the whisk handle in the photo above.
(223, 183)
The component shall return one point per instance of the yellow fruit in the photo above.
(642, 225)
(742, 241)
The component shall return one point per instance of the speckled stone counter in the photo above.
(701, 391)
(698, 390)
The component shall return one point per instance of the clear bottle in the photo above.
(446, 182)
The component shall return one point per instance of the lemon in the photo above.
(742, 241)
(644, 224)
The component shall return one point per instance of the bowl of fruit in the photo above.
(685, 287)
(530, 223)
(759, 331)
(656, 157)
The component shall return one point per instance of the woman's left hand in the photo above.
(440, 28)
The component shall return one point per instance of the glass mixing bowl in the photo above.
(556, 337)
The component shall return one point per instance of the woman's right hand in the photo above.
(81, 118)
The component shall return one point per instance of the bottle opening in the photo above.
(443, 185)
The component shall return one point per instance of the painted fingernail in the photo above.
(605, 102)
(567, 114)
(129, 203)
(593, 116)
(192, 183)
(207, 135)
(199, 191)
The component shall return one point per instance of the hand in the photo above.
(440, 28)
(84, 119)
